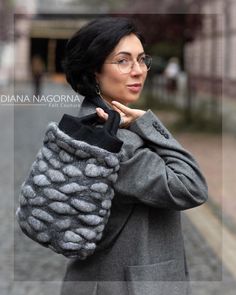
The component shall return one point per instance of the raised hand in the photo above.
(127, 114)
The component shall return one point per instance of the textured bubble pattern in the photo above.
(65, 202)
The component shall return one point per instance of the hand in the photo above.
(127, 114)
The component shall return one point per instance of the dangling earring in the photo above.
(98, 91)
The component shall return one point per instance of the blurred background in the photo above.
(191, 87)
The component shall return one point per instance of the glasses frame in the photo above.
(132, 65)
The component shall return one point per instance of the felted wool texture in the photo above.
(65, 201)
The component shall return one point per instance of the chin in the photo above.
(132, 99)
(126, 99)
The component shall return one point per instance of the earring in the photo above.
(98, 91)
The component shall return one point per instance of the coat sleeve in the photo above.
(159, 172)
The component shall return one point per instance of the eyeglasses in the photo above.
(126, 65)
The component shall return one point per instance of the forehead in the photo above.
(130, 44)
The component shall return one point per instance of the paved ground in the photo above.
(28, 269)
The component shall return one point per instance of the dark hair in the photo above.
(88, 48)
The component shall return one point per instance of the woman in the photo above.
(142, 250)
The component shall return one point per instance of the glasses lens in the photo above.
(148, 61)
(125, 67)
(145, 65)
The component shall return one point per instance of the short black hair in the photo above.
(88, 48)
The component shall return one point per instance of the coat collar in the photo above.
(89, 106)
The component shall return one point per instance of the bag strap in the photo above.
(85, 129)
(113, 122)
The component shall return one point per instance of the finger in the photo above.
(101, 113)
(118, 110)
(121, 107)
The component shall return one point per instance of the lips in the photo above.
(135, 87)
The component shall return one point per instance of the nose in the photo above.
(136, 69)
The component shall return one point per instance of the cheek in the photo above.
(112, 80)
(116, 79)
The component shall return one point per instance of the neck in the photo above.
(106, 100)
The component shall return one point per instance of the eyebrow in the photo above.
(128, 53)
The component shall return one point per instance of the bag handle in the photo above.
(83, 128)
(70, 124)
(111, 125)
(113, 122)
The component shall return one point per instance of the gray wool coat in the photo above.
(142, 250)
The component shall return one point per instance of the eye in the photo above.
(122, 61)
(142, 59)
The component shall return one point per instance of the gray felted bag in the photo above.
(65, 202)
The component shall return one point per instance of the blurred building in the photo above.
(6, 43)
(210, 59)
(42, 30)
(5, 10)
(45, 36)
